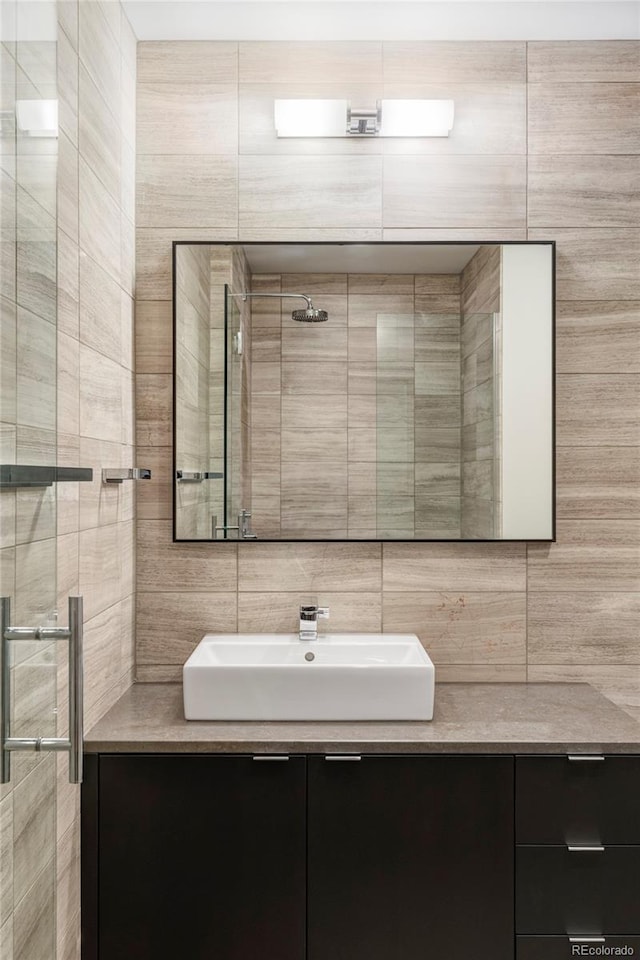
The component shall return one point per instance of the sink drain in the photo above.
(309, 656)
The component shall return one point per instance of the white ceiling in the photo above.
(326, 20)
(358, 258)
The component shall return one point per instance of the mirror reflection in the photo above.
(387, 391)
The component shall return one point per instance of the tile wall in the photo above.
(91, 231)
(545, 146)
(357, 420)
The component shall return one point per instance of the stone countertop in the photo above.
(469, 718)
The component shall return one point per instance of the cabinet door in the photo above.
(201, 858)
(410, 858)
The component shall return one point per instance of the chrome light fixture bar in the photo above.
(338, 118)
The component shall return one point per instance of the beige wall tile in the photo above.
(590, 555)
(34, 919)
(99, 569)
(98, 50)
(99, 222)
(100, 398)
(461, 566)
(279, 612)
(579, 628)
(587, 61)
(583, 118)
(490, 118)
(598, 337)
(153, 409)
(583, 191)
(187, 61)
(596, 264)
(187, 118)
(177, 192)
(424, 62)
(153, 497)
(596, 410)
(598, 482)
(170, 625)
(298, 567)
(154, 337)
(310, 190)
(454, 192)
(164, 566)
(463, 627)
(100, 309)
(99, 140)
(481, 673)
(275, 62)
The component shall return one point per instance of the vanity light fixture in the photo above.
(389, 118)
(37, 118)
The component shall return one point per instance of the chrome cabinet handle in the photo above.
(585, 849)
(343, 756)
(74, 743)
(587, 939)
(269, 756)
(585, 758)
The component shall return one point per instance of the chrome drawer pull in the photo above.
(585, 849)
(587, 939)
(343, 756)
(585, 758)
(268, 756)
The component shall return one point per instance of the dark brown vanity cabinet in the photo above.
(381, 857)
(194, 858)
(410, 858)
(233, 858)
(577, 855)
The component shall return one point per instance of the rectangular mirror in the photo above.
(364, 391)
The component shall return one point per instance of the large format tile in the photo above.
(187, 119)
(590, 555)
(454, 192)
(310, 191)
(489, 118)
(100, 396)
(583, 118)
(598, 482)
(98, 51)
(100, 306)
(583, 191)
(99, 136)
(587, 61)
(100, 564)
(598, 337)
(595, 264)
(597, 409)
(170, 625)
(279, 612)
(495, 567)
(312, 566)
(581, 628)
(287, 62)
(443, 62)
(187, 61)
(167, 567)
(154, 336)
(186, 190)
(99, 222)
(461, 627)
(153, 409)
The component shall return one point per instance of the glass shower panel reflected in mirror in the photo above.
(377, 391)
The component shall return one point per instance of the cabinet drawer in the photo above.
(559, 891)
(581, 801)
(561, 948)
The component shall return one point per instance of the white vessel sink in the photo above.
(343, 676)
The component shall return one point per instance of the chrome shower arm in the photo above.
(279, 296)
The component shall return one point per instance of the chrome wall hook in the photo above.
(125, 473)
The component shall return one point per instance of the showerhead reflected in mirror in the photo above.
(408, 397)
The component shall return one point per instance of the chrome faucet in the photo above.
(310, 613)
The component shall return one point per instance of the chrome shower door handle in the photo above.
(73, 744)
(76, 689)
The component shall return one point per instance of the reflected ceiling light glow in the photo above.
(37, 118)
(389, 118)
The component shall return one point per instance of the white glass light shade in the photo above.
(37, 118)
(417, 118)
(311, 118)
